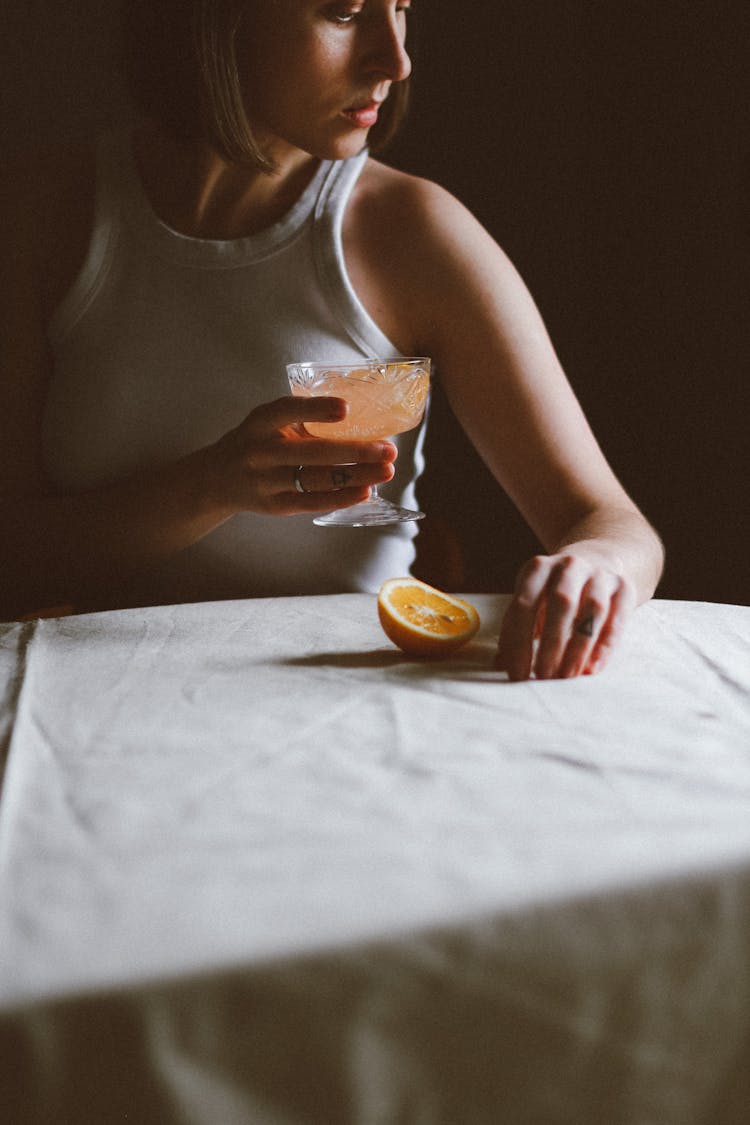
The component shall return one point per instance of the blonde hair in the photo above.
(180, 66)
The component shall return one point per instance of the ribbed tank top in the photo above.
(166, 342)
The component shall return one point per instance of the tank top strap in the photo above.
(100, 253)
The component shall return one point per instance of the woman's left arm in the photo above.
(475, 317)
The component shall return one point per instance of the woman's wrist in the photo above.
(202, 484)
(636, 558)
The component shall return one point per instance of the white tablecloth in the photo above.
(256, 865)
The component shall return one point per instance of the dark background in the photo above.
(606, 147)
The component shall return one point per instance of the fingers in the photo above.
(271, 438)
(575, 647)
(324, 489)
(290, 411)
(314, 451)
(321, 488)
(255, 464)
(564, 619)
(515, 652)
(622, 605)
(286, 504)
(308, 479)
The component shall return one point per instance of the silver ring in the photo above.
(297, 482)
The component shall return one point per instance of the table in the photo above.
(256, 865)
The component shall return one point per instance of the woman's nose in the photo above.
(387, 53)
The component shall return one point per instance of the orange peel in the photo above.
(424, 621)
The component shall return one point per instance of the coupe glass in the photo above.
(386, 397)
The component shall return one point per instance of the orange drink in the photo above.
(386, 397)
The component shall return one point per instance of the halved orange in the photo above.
(424, 621)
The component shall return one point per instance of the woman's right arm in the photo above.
(78, 548)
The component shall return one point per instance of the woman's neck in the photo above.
(196, 192)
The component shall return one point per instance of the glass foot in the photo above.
(369, 513)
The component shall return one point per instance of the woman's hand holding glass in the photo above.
(255, 466)
(385, 397)
(566, 615)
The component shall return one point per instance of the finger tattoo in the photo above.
(340, 477)
(586, 626)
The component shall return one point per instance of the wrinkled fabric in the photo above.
(256, 865)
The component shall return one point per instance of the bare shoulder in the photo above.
(408, 207)
(401, 228)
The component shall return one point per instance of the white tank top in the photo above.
(165, 342)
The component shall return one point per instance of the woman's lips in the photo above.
(363, 116)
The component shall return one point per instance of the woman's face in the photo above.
(315, 72)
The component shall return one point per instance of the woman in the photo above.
(155, 289)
